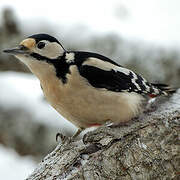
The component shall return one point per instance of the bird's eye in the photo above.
(41, 45)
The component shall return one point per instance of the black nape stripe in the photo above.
(60, 64)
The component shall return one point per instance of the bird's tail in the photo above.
(165, 89)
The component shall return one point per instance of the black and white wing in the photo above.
(101, 73)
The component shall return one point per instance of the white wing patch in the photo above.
(69, 57)
(104, 65)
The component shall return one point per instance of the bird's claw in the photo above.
(59, 135)
(63, 139)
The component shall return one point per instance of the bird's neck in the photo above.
(42, 70)
(57, 68)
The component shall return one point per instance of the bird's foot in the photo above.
(65, 139)
(62, 139)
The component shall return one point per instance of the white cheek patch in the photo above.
(52, 50)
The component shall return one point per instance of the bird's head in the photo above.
(37, 47)
(37, 52)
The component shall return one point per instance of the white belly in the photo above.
(84, 105)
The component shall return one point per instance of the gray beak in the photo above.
(18, 50)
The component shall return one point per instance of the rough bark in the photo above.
(145, 148)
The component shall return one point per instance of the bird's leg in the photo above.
(61, 136)
(68, 139)
(78, 132)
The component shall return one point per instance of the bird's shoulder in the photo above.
(82, 56)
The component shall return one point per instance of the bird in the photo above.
(86, 88)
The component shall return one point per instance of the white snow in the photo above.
(13, 166)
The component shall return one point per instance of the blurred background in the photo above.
(142, 35)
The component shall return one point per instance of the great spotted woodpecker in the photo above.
(86, 88)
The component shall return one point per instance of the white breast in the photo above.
(83, 104)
